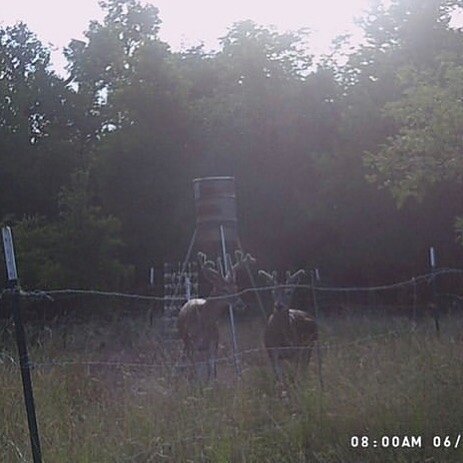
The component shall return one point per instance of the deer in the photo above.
(289, 334)
(197, 321)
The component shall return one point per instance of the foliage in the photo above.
(308, 142)
(412, 45)
(80, 249)
(38, 142)
(427, 148)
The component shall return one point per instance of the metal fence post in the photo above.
(21, 343)
(435, 308)
(315, 275)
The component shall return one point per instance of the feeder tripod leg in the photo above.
(230, 308)
(182, 271)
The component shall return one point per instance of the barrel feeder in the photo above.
(215, 200)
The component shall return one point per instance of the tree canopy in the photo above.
(340, 164)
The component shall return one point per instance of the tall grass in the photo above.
(380, 378)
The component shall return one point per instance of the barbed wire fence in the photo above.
(323, 303)
(323, 298)
(223, 359)
(54, 293)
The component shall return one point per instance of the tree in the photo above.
(78, 250)
(367, 230)
(265, 120)
(428, 146)
(38, 141)
(136, 93)
(411, 67)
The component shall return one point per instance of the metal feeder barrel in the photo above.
(215, 199)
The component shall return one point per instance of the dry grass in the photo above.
(402, 383)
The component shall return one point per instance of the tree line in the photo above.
(351, 163)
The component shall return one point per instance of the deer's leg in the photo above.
(209, 361)
(189, 362)
(212, 367)
(309, 355)
(276, 363)
(202, 365)
(194, 357)
(303, 360)
(214, 357)
(299, 362)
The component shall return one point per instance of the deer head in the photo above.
(282, 296)
(224, 283)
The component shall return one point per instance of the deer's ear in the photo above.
(269, 279)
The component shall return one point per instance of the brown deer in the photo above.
(289, 334)
(198, 318)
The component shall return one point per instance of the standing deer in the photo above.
(289, 334)
(198, 318)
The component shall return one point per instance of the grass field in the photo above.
(129, 405)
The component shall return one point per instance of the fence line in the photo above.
(427, 278)
(51, 294)
(454, 296)
(228, 358)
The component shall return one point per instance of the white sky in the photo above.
(187, 23)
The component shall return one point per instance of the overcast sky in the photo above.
(187, 23)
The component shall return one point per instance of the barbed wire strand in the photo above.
(51, 294)
(223, 359)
